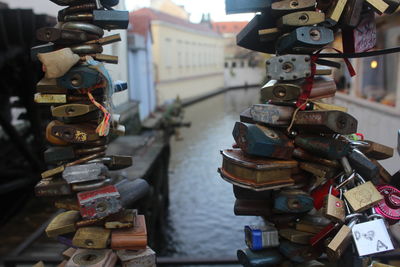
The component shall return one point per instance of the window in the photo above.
(226, 65)
(234, 64)
(242, 64)
(168, 56)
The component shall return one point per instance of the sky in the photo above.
(196, 8)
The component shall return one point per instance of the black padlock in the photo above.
(249, 37)
(111, 19)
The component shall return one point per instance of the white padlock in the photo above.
(372, 236)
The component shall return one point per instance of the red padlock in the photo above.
(389, 207)
(320, 193)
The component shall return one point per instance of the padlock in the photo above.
(131, 191)
(324, 106)
(323, 87)
(91, 237)
(255, 173)
(261, 237)
(393, 6)
(249, 38)
(72, 110)
(319, 193)
(304, 40)
(83, 26)
(243, 6)
(325, 121)
(58, 154)
(295, 236)
(342, 239)
(363, 37)
(246, 207)
(49, 99)
(49, 86)
(334, 11)
(91, 185)
(144, 257)
(85, 173)
(351, 15)
(99, 203)
(271, 114)
(379, 6)
(57, 63)
(319, 170)
(60, 36)
(259, 140)
(67, 203)
(317, 241)
(85, 49)
(134, 238)
(111, 19)
(249, 258)
(114, 162)
(281, 8)
(389, 207)
(334, 208)
(375, 150)
(63, 223)
(293, 201)
(244, 193)
(311, 223)
(326, 147)
(372, 236)
(61, 168)
(125, 219)
(75, 9)
(363, 165)
(384, 175)
(300, 18)
(52, 187)
(363, 196)
(93, 258)
(301, 154)
(80, 77)
(288, 67)
(268, 35)
(72, 133)
(280, 91)
(298, 253)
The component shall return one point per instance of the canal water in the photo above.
(201, 221)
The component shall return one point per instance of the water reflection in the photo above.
(201, 220)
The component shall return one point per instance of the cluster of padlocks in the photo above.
(299, 161)
(99, 224)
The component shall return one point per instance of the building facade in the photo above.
(188, 58)
(242, 67)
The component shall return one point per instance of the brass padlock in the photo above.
(333, 208)
(335, 11)
(342, 239)
(296, 236)
(363, 196)
(63, 223)
(300, 18)
(92, 237)
(126, 219)
(280, 8)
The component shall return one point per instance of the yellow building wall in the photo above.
(187, 63)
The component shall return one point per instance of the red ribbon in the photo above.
(307, 87)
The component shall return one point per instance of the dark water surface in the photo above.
(201, 221)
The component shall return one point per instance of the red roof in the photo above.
(141, 20)
(229, 26)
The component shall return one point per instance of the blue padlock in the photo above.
(261, 237)
(293, 201)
